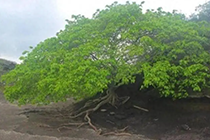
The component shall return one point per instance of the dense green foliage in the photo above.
(106, 51)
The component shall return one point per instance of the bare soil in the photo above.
(186, 119)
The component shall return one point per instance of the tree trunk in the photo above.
(112, 95)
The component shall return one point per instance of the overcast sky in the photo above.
(25, 23)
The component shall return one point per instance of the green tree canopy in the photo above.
(101, 53)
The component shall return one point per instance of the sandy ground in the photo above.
(166, 120)
(17, 126)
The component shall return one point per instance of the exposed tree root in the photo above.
(75, 124)
(140, 108)
(86, 118)
(94, 105)
(120, 132)
(88, 104)
(125, 100)
(90, 123)
(110, 98)
(65, 126)
(99, 131)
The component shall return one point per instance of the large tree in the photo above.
(100, 54)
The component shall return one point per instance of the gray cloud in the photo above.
(25, 23)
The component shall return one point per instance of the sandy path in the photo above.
(10, 120)
(12, 135)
